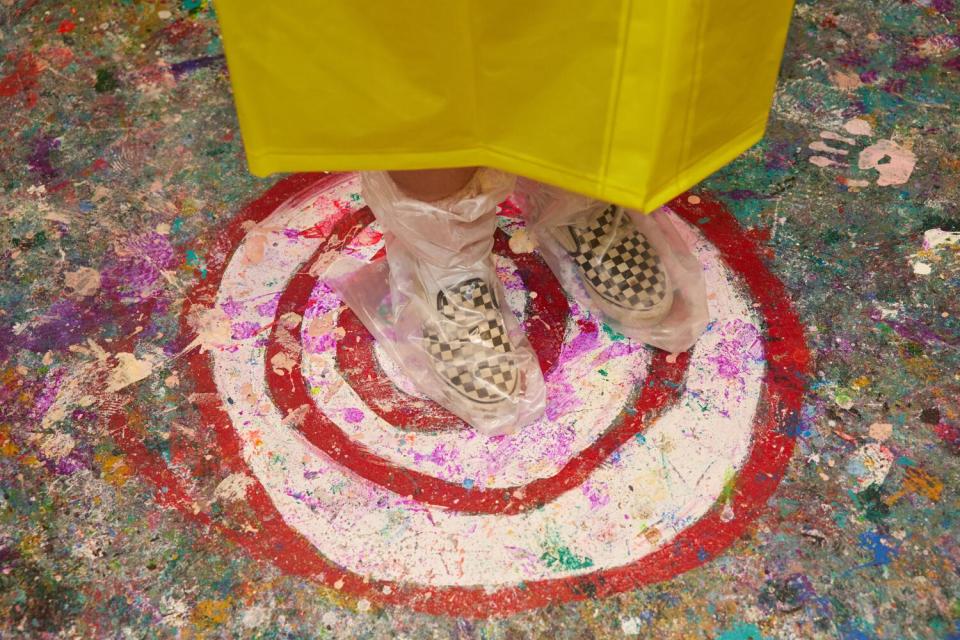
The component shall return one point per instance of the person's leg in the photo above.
(601, 246)
(431, 185)
(448, 308)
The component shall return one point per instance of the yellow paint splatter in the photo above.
(8, 447)
(210, 614)
(114, 469)
(920, 482)
(652, 535)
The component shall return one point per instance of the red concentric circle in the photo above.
(261, 530)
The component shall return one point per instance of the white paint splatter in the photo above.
(174, 612)
(847, 81)
(630, 626)
(128, 371)
(922, 268)
(870, 465)
(888, 312)
(233, 488)
(256, 616)
(825, 148)
(522, 242)
(83, 282)
(282, 363)
(212, 327)
(58, 445)
(822, 161)
(894, 163)
(880, 431)
(933, 238)
(329, 618)
(858, 127)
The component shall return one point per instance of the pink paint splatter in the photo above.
(232, 308)
(740, 339)
(244, 330)
(352, 415)
(596, 494)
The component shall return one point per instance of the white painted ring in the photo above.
(652, 488)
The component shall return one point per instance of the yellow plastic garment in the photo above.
(627, 101)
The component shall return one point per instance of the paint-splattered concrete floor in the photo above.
(121, 168)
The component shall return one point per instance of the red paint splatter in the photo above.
(59, 57)
(950, 434)
(760, 235)
(509, 209)
(66, 26)
(342, 206)
(319, 230)
(369, 237)
(23, 79)
(587, 326)
(97, 165)
(181, 29)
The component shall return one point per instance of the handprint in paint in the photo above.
(893, 163)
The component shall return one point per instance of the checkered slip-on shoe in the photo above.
(623, 273)
(469, 347)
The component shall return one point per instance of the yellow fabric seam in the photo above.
(692, 94)
(613, 106)
(663, 79)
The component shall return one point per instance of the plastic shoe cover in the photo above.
(436, 306)
(631, 268)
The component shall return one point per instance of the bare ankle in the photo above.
(432, 184)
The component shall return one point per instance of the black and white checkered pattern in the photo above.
(617, 261)
(469, 346)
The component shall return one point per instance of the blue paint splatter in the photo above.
(875, 544)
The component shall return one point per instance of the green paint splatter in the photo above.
(560, 557)
(743, 632)
(612, 333)
(38, 239)
(729, 482)
(106, 80)
(194, 260)
(602, 372)
(871, 501)
(563, 558)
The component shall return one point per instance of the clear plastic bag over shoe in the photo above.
(630, 268)
(437, 307)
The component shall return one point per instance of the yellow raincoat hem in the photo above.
(264, 163)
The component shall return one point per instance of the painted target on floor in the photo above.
(644, 465)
